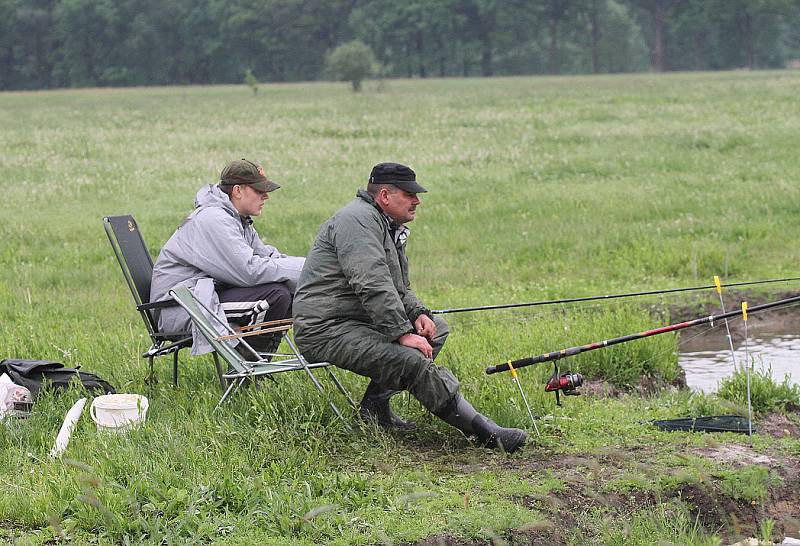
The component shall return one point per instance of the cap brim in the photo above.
(265, 185)
(410, 186)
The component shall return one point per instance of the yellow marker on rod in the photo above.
(727, 328)
(747, 373)
(515, 379)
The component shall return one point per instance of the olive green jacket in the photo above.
(355, 273)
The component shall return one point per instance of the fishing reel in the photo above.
(566, 382)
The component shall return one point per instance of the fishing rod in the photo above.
(605, 297)
(557, 355)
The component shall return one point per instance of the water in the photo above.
(774, 341)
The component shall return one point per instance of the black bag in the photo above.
(32, 374)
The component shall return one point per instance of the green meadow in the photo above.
(538, 188)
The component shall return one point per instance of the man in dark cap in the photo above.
(354, 308)
(218, 254)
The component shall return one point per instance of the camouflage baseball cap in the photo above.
(246, 173)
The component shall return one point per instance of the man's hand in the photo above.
(425, 327)
(416, 342)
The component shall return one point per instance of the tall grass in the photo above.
(766, 394)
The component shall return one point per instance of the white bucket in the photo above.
(118, 412)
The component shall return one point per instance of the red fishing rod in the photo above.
(568, 382)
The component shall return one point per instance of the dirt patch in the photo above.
(646, 386)
(734, 519)
(596, 483)
(538, 534)
(735, 455)
(779, 425)
(600, 389)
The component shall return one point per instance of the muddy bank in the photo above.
(778, 319)
(699, 481)
(563, 512)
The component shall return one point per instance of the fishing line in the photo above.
(546, 313)
(606, 297)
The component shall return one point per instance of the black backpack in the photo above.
(32, 374)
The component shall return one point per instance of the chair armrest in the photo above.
(242, 334)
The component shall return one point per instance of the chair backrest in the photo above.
(184, 297)
(135, 261)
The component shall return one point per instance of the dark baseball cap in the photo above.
(246, 173)
(396, 174)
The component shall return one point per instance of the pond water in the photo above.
(705, 356)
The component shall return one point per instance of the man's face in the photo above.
(248, 201)
(399, 204)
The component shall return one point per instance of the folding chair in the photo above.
(137, 267)
(242, 369)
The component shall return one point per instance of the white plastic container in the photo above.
(118, 412)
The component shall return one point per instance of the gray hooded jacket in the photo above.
(214, 243)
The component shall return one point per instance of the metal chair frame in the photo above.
(136, 264)
(265, 364)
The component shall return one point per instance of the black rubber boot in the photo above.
(462, 415)
(375, 408)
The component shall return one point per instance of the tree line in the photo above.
(80, 43)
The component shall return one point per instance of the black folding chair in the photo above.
(137, 268)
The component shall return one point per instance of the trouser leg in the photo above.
(375, 405)
(279, 301)
(364, 351)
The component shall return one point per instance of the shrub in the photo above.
(251, 81)
(700, 403)
(765, 393)
(625, 365)
(352, 62)
(750, 483)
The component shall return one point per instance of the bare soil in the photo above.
(586, 477)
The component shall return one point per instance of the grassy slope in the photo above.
(540, 187)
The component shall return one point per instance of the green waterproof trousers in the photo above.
(362, 350)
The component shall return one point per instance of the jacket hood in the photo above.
(211, 196)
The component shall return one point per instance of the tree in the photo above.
(480, 21)
(251, 81)
(556, 11)
(351, 62)
(658, 11)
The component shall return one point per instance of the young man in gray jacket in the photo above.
(218, 254)
(354, 308)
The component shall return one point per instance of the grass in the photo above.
(766, 394)
(539, 188)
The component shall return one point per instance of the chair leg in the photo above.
(233, 386)
(341, 388)
(330, 402)
(223, 384)
(317, 384)
(175, 368)
(150, 378)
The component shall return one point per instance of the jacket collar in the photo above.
(399, 232)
